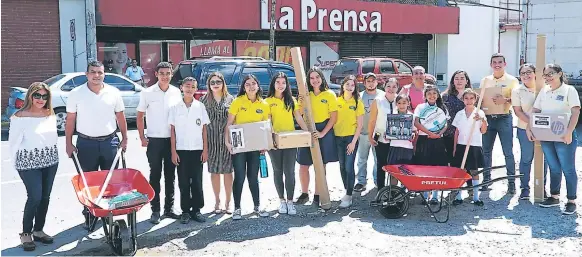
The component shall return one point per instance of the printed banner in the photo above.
(116, 57)
(324, 55)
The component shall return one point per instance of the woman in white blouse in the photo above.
(33, 144)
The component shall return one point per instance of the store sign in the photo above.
(341, 20)
(324, 55)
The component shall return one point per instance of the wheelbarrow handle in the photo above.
(487, 183)
(487, 169)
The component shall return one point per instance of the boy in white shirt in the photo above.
(188, 120)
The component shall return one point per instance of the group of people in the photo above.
(184, 133)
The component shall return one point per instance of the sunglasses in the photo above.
(40, 96)
(215, 82)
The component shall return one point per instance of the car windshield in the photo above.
(53, 79)
(346, 66)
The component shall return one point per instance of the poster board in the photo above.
(399, 127)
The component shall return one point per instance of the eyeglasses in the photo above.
(549, 74)
(215, 82)
(40, 96)
(529, 72)
(418, 73)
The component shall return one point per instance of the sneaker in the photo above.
(524, 194)
(27, 243)
(198, 217)
(346, 201)
(185, 218)
(569, 209)
(359, 188)
(171, 215)
(478, 203)
(511, 189)
(303, 198)
(457, 202)
(434, 202)
(41, 236)
(550, 202)
(237, 214)
(484, 188)
(155, 218)
(291, 208)
(283, 207)
(261, 212)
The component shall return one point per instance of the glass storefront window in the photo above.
(116, 57)
(176, 52)
(150, 55)
(209, 48)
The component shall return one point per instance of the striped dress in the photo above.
(219, 159)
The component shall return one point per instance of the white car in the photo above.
(60, 86)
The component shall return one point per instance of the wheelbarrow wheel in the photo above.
(394, 202)
(122, 242)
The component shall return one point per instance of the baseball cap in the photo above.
(370, 74)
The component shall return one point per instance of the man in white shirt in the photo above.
(188, 120)
(135, 73)
(94, 110)
(155, 101)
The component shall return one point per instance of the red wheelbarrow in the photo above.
(393, 201)
(121, 237)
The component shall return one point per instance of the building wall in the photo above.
(30, 43)
(477, 40)
(561, 22)
(73, 10)
(510, 47)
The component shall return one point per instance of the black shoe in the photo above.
(550, 202)
(457, 202)
(423, 202)
(155, 218)
(171, 215)
(359, 188)
(185, 218)
(434, 202)
(511, 189)
(478, 203)
(315, 200)
(484, 188)
(198, 217)
(303, 198)
(524, 194)
(569, 209)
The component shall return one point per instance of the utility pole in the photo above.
(272, 32)
(91, 30)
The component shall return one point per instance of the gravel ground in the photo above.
(504, 226)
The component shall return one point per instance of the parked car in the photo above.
(577, 83)
(60, 86)
(234, 69)
(383, 67)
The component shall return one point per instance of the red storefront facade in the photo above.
(152, 30)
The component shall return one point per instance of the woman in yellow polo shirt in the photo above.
(324, 105)
(248, 107)
(347, 130)
(283, 108)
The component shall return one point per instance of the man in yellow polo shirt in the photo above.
(501, 124)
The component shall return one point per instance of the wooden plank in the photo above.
(320, 179)
(539, 186)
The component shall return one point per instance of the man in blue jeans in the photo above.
(364, 146)
(500, 124)
(94, 110)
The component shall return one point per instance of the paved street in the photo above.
(503, 221)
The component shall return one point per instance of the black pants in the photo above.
(246, 164)
(190, 181)
(94, 155)
(39, 184)
(159, 155)
(382, 158)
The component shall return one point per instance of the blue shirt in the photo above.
(134, 74)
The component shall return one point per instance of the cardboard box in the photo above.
(549, 127)
(250, 137)
(488, 106)
(293, 139)
(399, 126)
